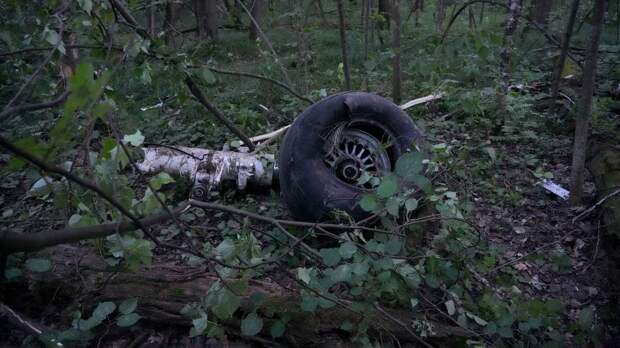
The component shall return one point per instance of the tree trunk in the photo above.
(384, 10)
(418, 7)
(322, 13)
(505, 56)
(557, 73)
(343, 44)
(258, 12)
(584, 111)
(396, 69)
(206, 19)
(366, 24)
(440, 14)
(540, 10)
(234, 12)
(170, 20)
(151, 15)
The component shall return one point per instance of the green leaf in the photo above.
(450, 307)
(226, 249)
(251, 325)
(393, 246)
(477, 319)
(409, 164)
(207, 76)
(411, 204)
(127, 320)
(277, 329)
(103, 310)
(368, 203)
(491, 152)
(347, 249)
(331, 256)
(86, 5)
(304, 274)
(135, 139)
(388, 186)
(342, 273)
(393, 206)
(12, 273)
(585, 318)
(309, 303)
(223, 302)
(199, 325)
(423, 183)
(161, 179)
(38, 265)
(128, 306)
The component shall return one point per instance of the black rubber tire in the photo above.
(310, 190)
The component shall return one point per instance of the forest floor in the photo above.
(530, 229)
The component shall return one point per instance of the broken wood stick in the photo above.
(407, 105)
(422, 100)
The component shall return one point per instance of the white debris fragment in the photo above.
(208, 167)
(556, 189)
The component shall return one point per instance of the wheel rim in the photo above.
(356, 157)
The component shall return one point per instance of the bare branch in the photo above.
(232, 210)
(14, 242)
(216, 112)
(71, 177)
(32, 107)
(42, 49)
(124, 12)
(39, 68)
(265, 78)
(266, 40)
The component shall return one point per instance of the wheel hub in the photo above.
(356, 157)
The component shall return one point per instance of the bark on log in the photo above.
(166, 286)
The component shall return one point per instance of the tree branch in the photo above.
(14, 242)
(217, 113)
(31, 107)
(124, 12)
(71, 177)
(265, 78)
(37, 49)
(36, 73)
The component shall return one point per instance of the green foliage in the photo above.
(138, 88)
(38, 265)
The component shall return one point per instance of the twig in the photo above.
(225, 208)
(449, 317)
(422, 100)
(403, 325)
(37, 49)
(124, 12)
(532, 22)
(32, 107)
(515, 260)
(71, 177)
(270, 135)
(266, 40)
(596, 206)
(19, 320)
(598, 242)
(265, 78)
(39, 68)
(217, 113)
(14, 242)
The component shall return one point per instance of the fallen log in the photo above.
(166, 286)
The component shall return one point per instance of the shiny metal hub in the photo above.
(356, 157)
